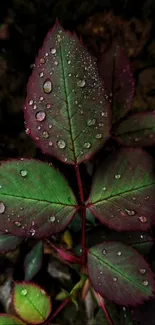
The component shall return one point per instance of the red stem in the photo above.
(63, 304)
(104, 308)
(83, 214)
(64, 255)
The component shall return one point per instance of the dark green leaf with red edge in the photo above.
(33, 261)
(119, 273)
(31, 302)
(66, 111)
(138, 130)
(123, 191)
(10, 320)
(8, 242)
(141, 241)
(35, 199)
(115, 70)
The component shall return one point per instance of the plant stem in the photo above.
(63, 304)
(64, 255)
(101, 303)
(83, 215)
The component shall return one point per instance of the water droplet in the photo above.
(117, 176)
(130, 212)
(45, 134)
(104, 188)
(50, 143)
(17, 223)
(27, 131)
(2, 207)
(112, 216)
(24, 292)
(91, 122)
(115, 279)
(53, 51)
(69, 62)
(41, 74)
(143, 219)
(40, 116)
(52, 219)
(147, 198)
(47, 86)
(81, 83)
(0, 186)
(32, 232)
(145, 283)
(30, 102)
(23, 173)
(48, 106)
(56, 63)
(61, 144)
(142, 271)
(119, 253)
(87, 145)
(98, 136)
(134, 198)
(42, 60)
(104, 251)
(41, 98)
(105, 114)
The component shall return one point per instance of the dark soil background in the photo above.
(23, 26)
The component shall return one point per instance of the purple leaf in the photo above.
(120, 274)
(123, 191)
(138, 130)
(66, 111)
(115, 70)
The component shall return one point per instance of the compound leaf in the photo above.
(123, 191)
(35, 199)
(138, 130)
(33, 261)
(10, 320)
(120, 274)
(66, 111)
(115, 70)
(31, 302)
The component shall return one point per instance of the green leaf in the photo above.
(8, 242)
(100, 318)
(141, 241)
(33, 261)
(126, 318)
(120, 274)
(138, 130)
(35, 199)
(123, 191)
(31, 302)
(66, 110)
(10, 320)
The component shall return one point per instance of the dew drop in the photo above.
(32, 232)
(145, 283)
(27, 131)
(17, 223)
(24, 292)
(52, 219)
(56, 63)
(104, 251)
(61, 144)
(117, 176)
(2, 207)
(47, 86)
(134, 198)
(41, 98)
(98, 136)
(91, 122)
(41, 74)
(42, 60)
(143, 219)
(23, 173)
(81, 83)
(53, 51)
(105, 114)
(119, 253)
(87, 145)
(130, 212)
(115, 279)
(104, 188)
(40, 116)
(50, 143)
(48, 106)
(142, 271)
(30, 102)
(45, 134)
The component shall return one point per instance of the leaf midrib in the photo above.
(130, 132)
(120, 273)
(116, 195)
(34, 199)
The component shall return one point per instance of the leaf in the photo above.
(10, 320)
(31, 302)
(138, 130)
(141, 241)
(35, 199)
(115, 70)
(123, 191)
(8, 242)
(33, 261)
(126, 318)
(66, 111)
(120, 274)
(100, 318)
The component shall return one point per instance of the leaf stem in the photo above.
(83, 215)
(61, 306)
(64, 255)
(101, 303)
